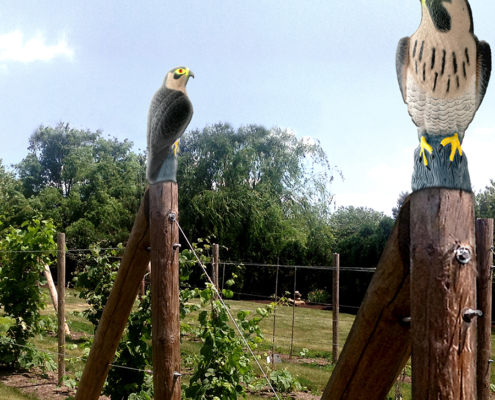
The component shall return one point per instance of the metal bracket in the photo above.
(177, 375)
(172, 216)
(469, 314)
(176, 246)
(463, 254)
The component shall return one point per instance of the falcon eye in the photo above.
(179, 72)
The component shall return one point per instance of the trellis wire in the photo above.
(227, 309)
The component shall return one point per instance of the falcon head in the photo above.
(176, 78)
(446, 13)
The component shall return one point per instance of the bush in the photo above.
(318, 296)
(282, 381)
(25, 252)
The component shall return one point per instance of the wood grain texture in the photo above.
(378, 345)
(119, 305)
(165, 291)
(442, 289)
(484, 243)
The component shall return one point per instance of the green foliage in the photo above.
(283, 381)
(256, 189)
(361, 234)
(90, 186)
(318, 296)
(485, 202)
(95, 281)
(25, 251)
(223, 367)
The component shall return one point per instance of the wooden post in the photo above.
(53, 293)
(61, 304)
(484, 243)
(275, 317)
(165, 290)
(293, 314)
(443, 291)
(335, 308)
(378, 345)
(119, 305)
(215, 269)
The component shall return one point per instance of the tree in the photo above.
(252, 188)
(361, 234)
(90, 186)
(485, 202)
(400, 200)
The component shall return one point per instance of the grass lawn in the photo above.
(11, 393)
(312, 332)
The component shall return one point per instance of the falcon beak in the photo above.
(190, 74)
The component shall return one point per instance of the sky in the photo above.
(324, 69)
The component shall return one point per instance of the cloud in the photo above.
(14, 48)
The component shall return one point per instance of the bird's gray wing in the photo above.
(170, 114)
(401, 64)
(483, 70)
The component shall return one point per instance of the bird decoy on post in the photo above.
(443, 72)
(168, 117)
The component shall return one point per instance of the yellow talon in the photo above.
(427, 147)
(455, 145)
(176, 146)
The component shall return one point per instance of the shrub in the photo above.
(318, 296)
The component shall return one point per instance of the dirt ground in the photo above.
(34, 383)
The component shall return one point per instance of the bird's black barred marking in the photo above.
(457, 79)
(415, 46)
(464, 69)
(435, 84)
(416, 63)
(424, 71)
(421, 50)
(443, 61)
(467, 55)
(433, 58)
(439, 14)
(448, 85)
(454, 61)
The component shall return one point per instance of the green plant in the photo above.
(283, 381)
(95, 281)
(224, 369)
(25, 251)
(304, 352)
(318, 296)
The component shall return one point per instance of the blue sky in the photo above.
(324, 69)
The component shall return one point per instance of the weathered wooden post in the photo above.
(164, 235)
(61, 304)
(484, 243)
(119, 305)
(378, 345)
(335, 307)
(215, 269)
(443, 295)
(293, 314)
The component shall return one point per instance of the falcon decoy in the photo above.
(168, 117)
(443, 72)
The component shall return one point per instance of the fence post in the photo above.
(61, 304)
(214, 266)
(293, 314)
(164, 239)
(484, 243)
(443, 294)
(275, 316)
(335, 307)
